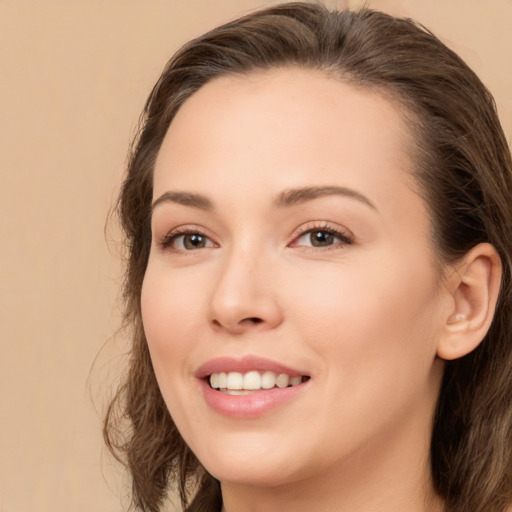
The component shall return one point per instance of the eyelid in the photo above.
(344, 234)
(165, 242)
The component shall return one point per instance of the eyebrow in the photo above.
(301, 195)
(285, 199)
(185, 199)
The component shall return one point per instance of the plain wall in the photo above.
(74, 75)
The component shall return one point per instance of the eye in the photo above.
(186, 241)
(321, 237)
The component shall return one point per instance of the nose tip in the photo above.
(244, 299)
(237, 320)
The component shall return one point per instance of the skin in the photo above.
(362, 318)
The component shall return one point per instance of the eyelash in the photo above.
(345, 239)
(167, 241)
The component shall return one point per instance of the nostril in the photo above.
(238, 325)
(253, 320)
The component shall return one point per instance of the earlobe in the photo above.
(474, 287)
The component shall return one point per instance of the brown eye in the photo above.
(187, 241)
(321, 238)
(194, 241)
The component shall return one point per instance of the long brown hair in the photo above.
(464, 172)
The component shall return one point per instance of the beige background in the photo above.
(73, 77)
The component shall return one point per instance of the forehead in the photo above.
(301, 109)
(283, 128)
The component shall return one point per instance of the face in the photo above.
(291, 258)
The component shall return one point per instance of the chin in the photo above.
(252, 463)
(259, 474)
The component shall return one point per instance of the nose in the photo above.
(245, 297)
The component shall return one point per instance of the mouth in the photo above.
(237, 383)
(251, 386)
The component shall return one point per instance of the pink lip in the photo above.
(249, 406)
(254, 404)
(243, 365)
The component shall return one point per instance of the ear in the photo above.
(474, 287)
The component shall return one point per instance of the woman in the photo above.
(319, 227)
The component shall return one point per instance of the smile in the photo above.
(251, 386)
(237, 383)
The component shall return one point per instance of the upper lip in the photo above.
(243, 365)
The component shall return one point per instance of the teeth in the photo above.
(223, 380)
(282, 380)
(235, 380)
(251, 381)
(294, 381)
(268, 380)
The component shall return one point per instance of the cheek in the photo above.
(170, 315)
(376, 338)
(171, 312)
(372, 317)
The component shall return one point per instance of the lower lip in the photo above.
(249, 406)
